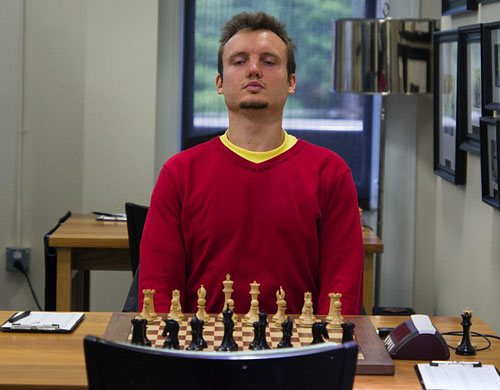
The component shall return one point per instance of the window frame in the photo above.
(191, 137)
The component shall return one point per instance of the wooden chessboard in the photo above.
(373, 358)
(243, 334)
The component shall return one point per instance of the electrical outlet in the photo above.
(20, 254)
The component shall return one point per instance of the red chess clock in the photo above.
(417, 339)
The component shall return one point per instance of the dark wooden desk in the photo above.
(86, 244)
(56, 361)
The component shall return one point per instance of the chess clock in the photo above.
(417, 339)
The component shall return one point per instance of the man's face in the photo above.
(255, 72)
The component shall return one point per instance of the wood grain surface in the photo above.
(56, 361)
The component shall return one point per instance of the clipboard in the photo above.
(442, 375)
(42, 322)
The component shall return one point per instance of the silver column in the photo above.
(383, 55)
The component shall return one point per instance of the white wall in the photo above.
(89, 116)
(11, 28)
(119, 134)
(457, 257)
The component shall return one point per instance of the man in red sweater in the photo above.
(255, 203)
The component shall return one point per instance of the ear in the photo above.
(291, 84)
(218, 84)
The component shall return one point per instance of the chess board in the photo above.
(373, 358)
(213, 332)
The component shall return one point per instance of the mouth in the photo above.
(253, 86)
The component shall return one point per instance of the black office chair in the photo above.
(136, 217)
(112, 365)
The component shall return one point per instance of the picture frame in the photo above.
(449, 159)
(490, 136)
(450, 7)
(490, 50)
(470, 89)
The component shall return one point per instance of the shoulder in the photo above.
(325, 160)
(196, 154)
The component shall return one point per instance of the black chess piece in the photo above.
(286, 327)
(171, 330)
(139, 332)
(259, 342)
(195, 335)
(319, 331)
(228, 343)
(262, 336)
(256, 330)
(347, 331)
(466, 348)
(201, 341)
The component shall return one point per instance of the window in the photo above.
(340, 122)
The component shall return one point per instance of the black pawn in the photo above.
(465, 347)
(347, 332)
(228, 343)
(171, 330)
(286, 327)
(139, 332)
(195, 335)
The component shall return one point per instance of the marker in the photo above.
(19, 316)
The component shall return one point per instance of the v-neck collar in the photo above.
(256, 167)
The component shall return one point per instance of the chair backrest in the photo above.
(136, 217)
(124, 366)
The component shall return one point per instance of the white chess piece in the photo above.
(175, 307)
(148, 308)
(228, 301)
(280, 316)
(307, 318)
(201, 313)
(253, 314)
(334, 317)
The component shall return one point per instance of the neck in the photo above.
(255, 130)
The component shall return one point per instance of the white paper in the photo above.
(459, 377)
(65, 321)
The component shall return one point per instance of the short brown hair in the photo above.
(253, 22)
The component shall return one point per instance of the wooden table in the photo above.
(372, 245)
(56, 361)
(86, 244)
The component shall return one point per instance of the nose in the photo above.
(254, 70)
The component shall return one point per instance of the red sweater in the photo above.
(291, 221)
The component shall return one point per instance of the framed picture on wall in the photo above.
(470, 88)
(490, 134)
(449, 159)
(490, 48)
(449, 7)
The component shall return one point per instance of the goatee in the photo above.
(253, 105)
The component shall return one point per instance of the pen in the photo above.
(106, 214)
(436, 363)
(17, 317)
